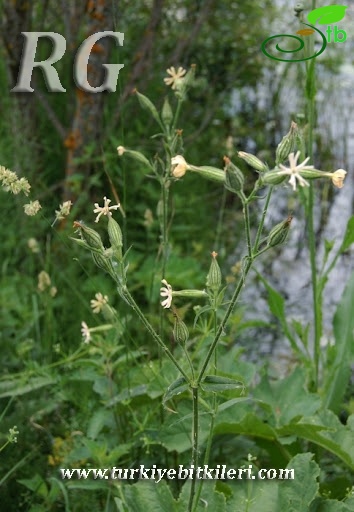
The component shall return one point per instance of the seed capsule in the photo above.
(115, 237)
(287, 144)
(180, 330)
(91, 237)
(214, 276)
(253, 161)
(279, 233)
(234, 178)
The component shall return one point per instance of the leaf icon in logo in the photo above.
(327, 14)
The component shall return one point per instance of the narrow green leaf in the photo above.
(275, 301)
(349, 235)
(217, 383)
(17, 388)
(338, 375)
(176, 388)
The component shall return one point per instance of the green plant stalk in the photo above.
(317, 306)
(164, 226)
(125, 292)
(176, 116)
(195, 448)
(213, 415)
(261, 224)
(246, 214)
(250, 259)
(224, 321)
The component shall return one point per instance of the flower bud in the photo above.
(179, 165)
(287, 144)
(279, 233)
(338, 177)
(90, 236)
(180, 331)
(272, 178)
(115, 237)
(191, 294)
(253, 161)
(136, 155)
(214, 276)
(167, 114)
(234, 178)
(190, 76)
(103, 262)
(210, 173)
(147, 104)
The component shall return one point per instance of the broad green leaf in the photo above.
(230, 365)
(35, 484)
(250, 424)
(331, 506)
(290, 495)
(176, 388)
(128, 394)
(148, 496)
(327, 14)
(349, 235)
(261, 496)
(210, 499)
(297, 494)
(160, 376)
(338, 376)
(288, 397)
(325, 430)
(175, 433)
(217, 383)
(98, 420)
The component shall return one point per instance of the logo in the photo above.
(80, 63)
(322, 16)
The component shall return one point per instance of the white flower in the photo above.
(32, 208)
(175, 78)
(120, 150)
(105, 209)
(98, 304)
(166, 291)
(33, 245)
(338, 177)
(294, 171)
(85, 331)
(64, 210)
(180, 166)
(44, 281)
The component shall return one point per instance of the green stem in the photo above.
(261, 224)
(195, 448)
(246, 214)
(248, 264)
(310, 94)
(177, 113)
(214, 409)
(128, 297)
